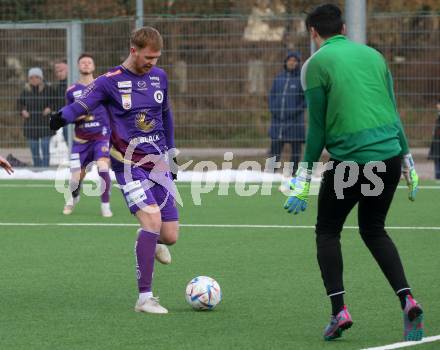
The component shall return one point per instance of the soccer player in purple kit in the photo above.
(136, 96)
(90, 142)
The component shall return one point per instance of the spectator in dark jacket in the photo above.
(287, 105)
(59, 88)
(434, 152)
(34, 105)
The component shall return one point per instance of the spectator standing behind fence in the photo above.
(286, 105)
(34, 105)
(59, 88)
(434, 152)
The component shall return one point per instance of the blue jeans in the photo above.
(437, 168)
(34, 145)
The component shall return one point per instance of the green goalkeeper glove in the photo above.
(410, 175)
(299, 191)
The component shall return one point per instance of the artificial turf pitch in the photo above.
(73, 286)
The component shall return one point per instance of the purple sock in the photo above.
(145, 249)
(105, 181)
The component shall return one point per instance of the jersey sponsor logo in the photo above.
(142, 123)
(111, 74)
(126, 101)
(156, 85)
(158, 96)
(136, 197)
(134, 193)
(130, 186)
(77, 93)
(154, 78)
(125, 91)
(91, 124)
(124, 84)
(144, 139)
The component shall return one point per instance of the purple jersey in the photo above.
(138, 110)
(92, 126)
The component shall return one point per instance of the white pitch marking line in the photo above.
(103, 224)
(186, 184)
(26, 185)
(406, 344)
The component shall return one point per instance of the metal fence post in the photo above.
(355, 20)
(139, 13)
(74, 36)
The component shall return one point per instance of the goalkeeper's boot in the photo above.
(338, 324)
(150, 305)
(163, 254)
(70, 204)
(412, 320)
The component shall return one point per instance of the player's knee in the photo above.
(149, 219)
(103, 167)
(325, 238)
(372, 232)
(152, 226)
(169, 233)
(169, 240)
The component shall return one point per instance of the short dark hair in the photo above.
(326, 19)
(85, 54)
(60, 60)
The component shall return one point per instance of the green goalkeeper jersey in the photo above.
(351, 104)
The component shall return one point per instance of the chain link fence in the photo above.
(220, 71)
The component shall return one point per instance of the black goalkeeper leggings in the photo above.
(372, 211)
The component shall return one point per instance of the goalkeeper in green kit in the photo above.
(353, 114)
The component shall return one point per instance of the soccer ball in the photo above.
(203, 293)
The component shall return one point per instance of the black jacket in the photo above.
(59, 93)
(434, 151)
(35, 100)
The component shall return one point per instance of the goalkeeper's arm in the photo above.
(315, 142)
(402, 137)
(300, 184)
(408, 167)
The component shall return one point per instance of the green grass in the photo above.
(73, 287)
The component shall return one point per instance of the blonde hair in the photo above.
(146, 37)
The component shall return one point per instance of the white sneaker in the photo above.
(150, 305)
(68, 207)
(105, 210)
(163, 254)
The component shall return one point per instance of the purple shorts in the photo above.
(84, 153)
(142, 188)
